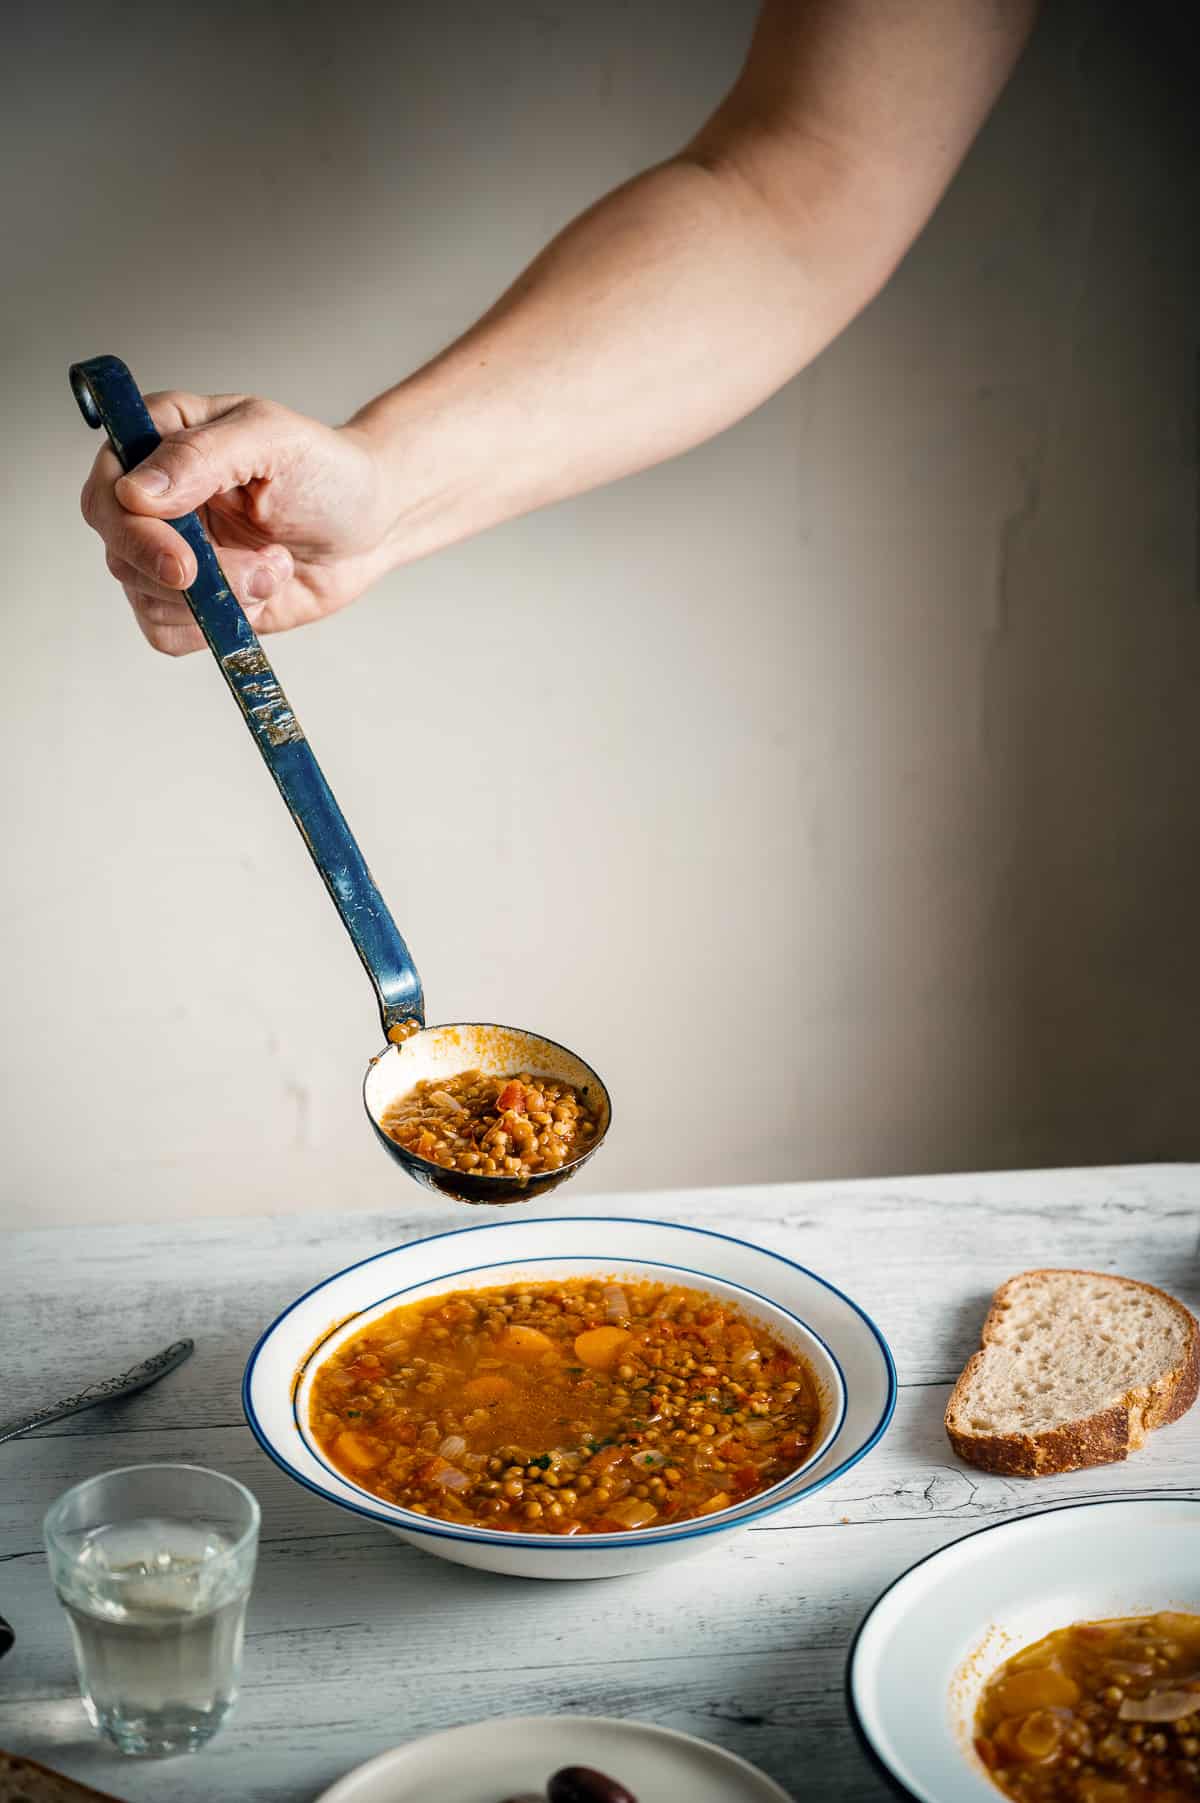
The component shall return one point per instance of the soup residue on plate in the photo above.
(582, 1407)
(1100, 1712)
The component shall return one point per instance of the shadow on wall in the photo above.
(1095, 699)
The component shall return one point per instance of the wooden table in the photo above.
(356, 1642)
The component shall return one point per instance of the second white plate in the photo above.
(485, 1762)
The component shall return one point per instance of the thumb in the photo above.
(192, 466)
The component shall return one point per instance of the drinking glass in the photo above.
(153, 1565)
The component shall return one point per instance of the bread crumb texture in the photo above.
(1064, 1345)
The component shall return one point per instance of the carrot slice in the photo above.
(526, 1343)
(601, 1347)
(1039, 1688)
(489, 1386)
(354, 1451)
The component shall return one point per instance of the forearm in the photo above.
(680, 302)
(663, 314)
(669, 310)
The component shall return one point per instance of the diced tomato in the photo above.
(746, 1477)
(511, 1096)
(605, 1460)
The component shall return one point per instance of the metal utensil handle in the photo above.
(108, 396)
(138, 1377)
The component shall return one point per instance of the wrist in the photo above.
(430, 494)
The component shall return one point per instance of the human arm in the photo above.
(664, 313)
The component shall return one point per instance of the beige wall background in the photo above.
(834, 788)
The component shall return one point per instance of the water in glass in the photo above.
(156, 1610)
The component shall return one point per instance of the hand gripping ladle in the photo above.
(108, 396)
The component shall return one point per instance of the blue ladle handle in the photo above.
(108, 396)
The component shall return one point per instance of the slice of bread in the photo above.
(24, 1781)
(1074, 1369)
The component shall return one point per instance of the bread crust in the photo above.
(1103, 1438)
(11, 1766)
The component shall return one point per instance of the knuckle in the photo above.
(188, 458)
(172, 409)
(127, 547)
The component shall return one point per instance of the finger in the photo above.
(151, 546)
(167, 625)
(189, 467)
(254, 576)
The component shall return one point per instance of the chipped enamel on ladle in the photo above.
(109, 397)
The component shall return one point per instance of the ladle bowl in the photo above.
(447, 1051)
(108, 396)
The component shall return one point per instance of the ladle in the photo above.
(108, 396)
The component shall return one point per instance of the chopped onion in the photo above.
(633, 1513)
(1160, 1706)
(451, 1478)
(649, 1459)
(616, 1303)
(756, 1430)
(746, 1355)
(442, 1098)
(453, 1446)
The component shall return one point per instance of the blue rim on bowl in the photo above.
(755, 1508)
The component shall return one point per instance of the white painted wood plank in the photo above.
(358, 1642)
(921, 1255)
(912, 1474)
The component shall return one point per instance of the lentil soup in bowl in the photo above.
(572, 1398)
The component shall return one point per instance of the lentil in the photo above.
(476, 1121)
(1101, 1712)
(424, 1407)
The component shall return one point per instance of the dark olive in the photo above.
(579, 1784)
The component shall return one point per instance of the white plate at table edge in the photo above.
(483, 1762)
